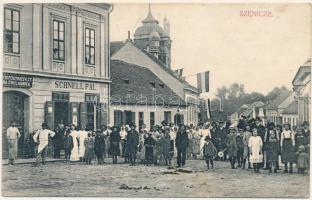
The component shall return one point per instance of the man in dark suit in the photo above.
(132, 143)
(181, 143)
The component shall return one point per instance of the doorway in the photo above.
(61, 112)
(15, 109)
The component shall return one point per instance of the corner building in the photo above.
(55, 66)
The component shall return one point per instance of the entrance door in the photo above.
(61, 112)
(178, 119)
(14, 108)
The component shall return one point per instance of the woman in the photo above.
(271, 140)
(75, 151)
(288, 148)
(83, 134)
(196, 144)
(114, 140)
(255, 150)
(246, 136)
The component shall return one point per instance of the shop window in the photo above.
(60, 96)
(89, 46)
(58, 40)
(141, 120)
(11, 31)
(152, 119)
(118, 118)
(93, 116)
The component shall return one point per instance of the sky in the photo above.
(259, 52)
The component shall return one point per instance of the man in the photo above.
(41, 137)
(231, 145)
(58, 139)
(132, 144)
(99, 146)
(13, 135)
(261, 133)
(306, 133)
(181, 143)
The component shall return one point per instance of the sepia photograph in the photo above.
(154, 99)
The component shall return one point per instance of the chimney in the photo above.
(129, 35)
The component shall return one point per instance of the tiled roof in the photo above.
(133, 84)
(170, 71)
(278, 100)
(291, 109)
(115, 46)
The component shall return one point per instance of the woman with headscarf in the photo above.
(271, 141)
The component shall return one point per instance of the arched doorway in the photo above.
(15, 109)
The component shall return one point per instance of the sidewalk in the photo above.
(29, 160)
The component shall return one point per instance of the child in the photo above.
(149, 143)
(240, 147)
(68, 145)
(209, 151)
(302, 160)
(255, 149)
(89, 148)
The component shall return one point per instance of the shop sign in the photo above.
(74, 85)
(17, 80)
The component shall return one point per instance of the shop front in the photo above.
(30, 100)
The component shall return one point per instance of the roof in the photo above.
(133, 84)
(115, 46)
(170, 71)
(278, 100)
(302, 72)
(249, 110)
(292, 109)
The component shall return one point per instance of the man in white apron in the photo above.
(13, 135)
(41, 137)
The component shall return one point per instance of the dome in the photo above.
(154, 36)
(146, 30)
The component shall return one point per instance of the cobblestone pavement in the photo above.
(122, 180)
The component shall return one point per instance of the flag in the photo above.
(203, 82)
(208, 109)
(179, 72)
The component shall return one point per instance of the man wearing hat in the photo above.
(181, 143)
(271, 145)
(132, 143)
(41, 137)
(13, 135)
(231, 145)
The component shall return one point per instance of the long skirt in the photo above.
(272, 151)
(114, 149)
(288, 151)
(89, 153)
(12, 149)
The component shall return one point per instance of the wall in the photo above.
(159, 113)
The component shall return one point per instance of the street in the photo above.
(122, 180)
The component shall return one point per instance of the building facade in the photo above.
(290, 114)
(302, 88)
(56, 65)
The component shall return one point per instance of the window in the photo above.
(167, 116)
(141, 120)
(60, 96)
(58, 40)
(89, 46)
(92, 115)
(11, 31)
(152, 119)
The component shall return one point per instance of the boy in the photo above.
(302, 160)
(209, 151)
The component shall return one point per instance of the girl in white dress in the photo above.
(255, 150)
(75, 151)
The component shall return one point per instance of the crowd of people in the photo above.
(247, 145)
